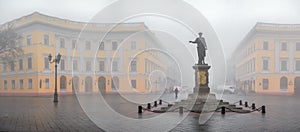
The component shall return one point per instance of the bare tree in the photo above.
(9, 48)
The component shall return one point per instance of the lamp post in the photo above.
(56, 61)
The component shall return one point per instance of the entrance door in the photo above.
(297, 86)
(102, 84)
(88, 84)
(63, 83)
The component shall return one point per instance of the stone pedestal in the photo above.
(201, 100)
(201, 79)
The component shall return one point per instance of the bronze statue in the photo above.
(201, 47)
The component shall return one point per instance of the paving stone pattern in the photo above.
(40, 114)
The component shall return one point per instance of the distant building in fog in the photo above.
(93, 62)
(268, 59)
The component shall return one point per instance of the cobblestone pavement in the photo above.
(40, 114)
(282, 115)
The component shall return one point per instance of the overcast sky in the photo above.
(231, 19)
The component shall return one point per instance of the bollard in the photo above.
(160, 102)
(140, 109)
(223, 110)
(246, 104)
(180, 110)
(241, 103)
(263, 109)
(149, 106)
(155, 103)
(253, 106)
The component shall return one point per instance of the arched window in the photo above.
(88, 84)
(283, 83)
(102, 84)
(63, 83)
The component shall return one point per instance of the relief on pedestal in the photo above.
(202, 79)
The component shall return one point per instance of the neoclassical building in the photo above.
(96, 57)
(268, 59)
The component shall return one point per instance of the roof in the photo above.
(65, 23)
(271, 28)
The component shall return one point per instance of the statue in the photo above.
(201, 47)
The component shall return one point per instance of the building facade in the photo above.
(268, 59)
(95, 57)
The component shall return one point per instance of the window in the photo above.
(283, 83)
(101, 46)
(253, 65)
(29, 63)
(298, 46)
(101, 65)
(133, 45)
(46, 63)
(75, 68)
(88, 45)
(3, 67)
(12, 66)
(21, 84)
(5, 84)
(88, 66)
(28, 40)
(62, 64)
(133, 84)
(47, 83)
(297, 65)
(20, 41)
(74, 44)
(265, 64)
(62, 43)
(13, 84)
(265, 84)
(29, 83)
(41, 83)
(114, 45)
(20, 64)
(284, 47)
(115, 66)
(266, 45)
(283, 65)
(46, 39)
(133, 67)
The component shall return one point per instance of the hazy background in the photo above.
(231, 19)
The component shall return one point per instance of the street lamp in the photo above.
(56, 61)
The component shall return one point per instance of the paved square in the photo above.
(40, 114)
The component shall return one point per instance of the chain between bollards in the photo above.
(223, 108)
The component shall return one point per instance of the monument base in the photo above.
(201, 100)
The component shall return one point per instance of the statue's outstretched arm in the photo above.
(193, 41)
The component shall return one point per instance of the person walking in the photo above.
(176, 93)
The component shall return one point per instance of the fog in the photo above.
(231, 19)
(224, 23)
(173, 23)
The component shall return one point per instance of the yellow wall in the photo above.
(38, 51)
(257, 38)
